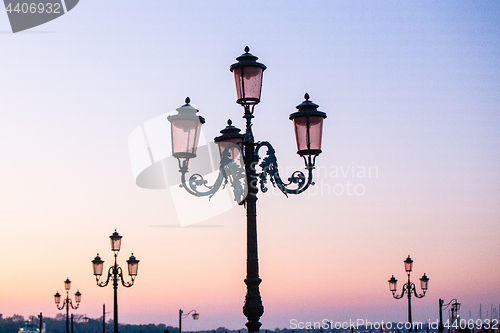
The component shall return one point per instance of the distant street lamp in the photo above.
(409, 288)
(67, 302)
(455, 307)
(240, 159)
(115, 273)
(182, 316)
(83, 317)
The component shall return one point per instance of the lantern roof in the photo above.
(229, 132)
(187, 111)
(247, 59)
(307, 107)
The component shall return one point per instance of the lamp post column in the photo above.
(104, 318)
(409, 290)
(67, 312)
(180, 320)
(115, 296)
(441, 327)
(253, 308)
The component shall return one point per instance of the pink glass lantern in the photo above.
(308, 123)
(248, 78)
(186, 127)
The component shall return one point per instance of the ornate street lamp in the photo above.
(115, 273)
(455, 307)
(67, 302)
(239, 158)
(195, 315)
(409, 287)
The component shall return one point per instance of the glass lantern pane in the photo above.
(311, 140)
(98, 269)
(234, 149)
(315, 132)
(116, 244)
(300, 132)
(132, 268)
(185, 136)
(248, 80)
(237, 82)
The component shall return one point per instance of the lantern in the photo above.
(424, 282)
(67, 284)
(185, 129)
(97, 264)
(57, 298)
(408, 264)
(248, 78)
(133, 265)
(78, 297)
(308, 123)
(116, 241)
(392, 284)
(230, 141)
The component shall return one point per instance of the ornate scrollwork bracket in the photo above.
(231, 169)
(269, 166)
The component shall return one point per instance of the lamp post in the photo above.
(115, 273)
(182, 316)
(83, 317)
(67, 302)
(409, 287)
(455, 307)
(240, 160)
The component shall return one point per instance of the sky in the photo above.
(410, 162)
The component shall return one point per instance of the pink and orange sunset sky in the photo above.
(411, 93)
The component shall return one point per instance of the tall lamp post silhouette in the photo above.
(240, 157)
(183, 316)
(455, 307)
(115, 273)
(67, 303)
(409, 287)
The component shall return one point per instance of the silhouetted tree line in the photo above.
(58, 325)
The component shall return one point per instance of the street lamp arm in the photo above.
(444, 307)
(62, 306)
(104, 283)
(70, 303)
(269, 167)
(125, 284)
(196, 180)
(405, 286)
(184, 316)
(415, 291)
